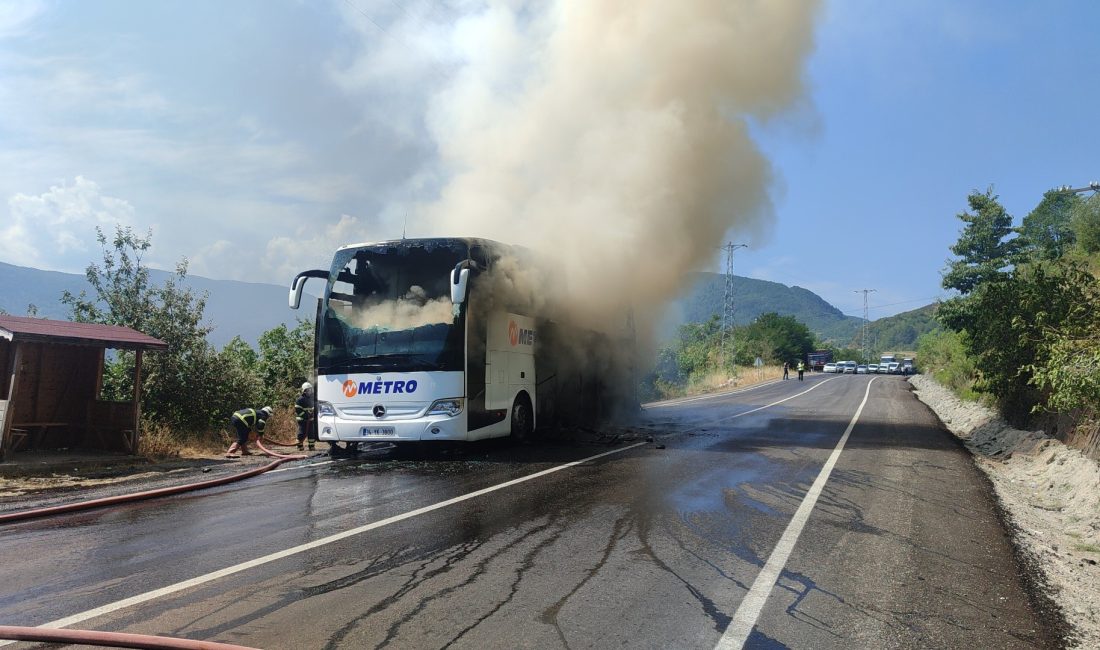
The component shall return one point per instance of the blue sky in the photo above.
(255, 137)
(915, 104)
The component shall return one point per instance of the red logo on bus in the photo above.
(350, 388)
(513, 332)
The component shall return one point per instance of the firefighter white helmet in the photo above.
(267, 410)
(307, 386)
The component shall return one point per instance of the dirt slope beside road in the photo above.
(1052, 494)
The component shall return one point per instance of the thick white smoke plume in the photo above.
(611, 135)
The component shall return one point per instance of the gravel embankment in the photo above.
(1050, 491)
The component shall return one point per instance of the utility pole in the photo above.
(866, 317)
(727, 302)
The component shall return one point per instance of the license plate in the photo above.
(376, 431)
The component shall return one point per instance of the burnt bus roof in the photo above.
(494, 249)
(432, 242)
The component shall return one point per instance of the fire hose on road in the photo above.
(152, 494)
(110, 639)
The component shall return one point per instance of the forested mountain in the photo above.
(900, 331)
(755, 297)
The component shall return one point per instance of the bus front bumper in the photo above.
(333, 429)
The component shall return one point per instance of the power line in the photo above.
(367, 16)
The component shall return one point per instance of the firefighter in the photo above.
(304, 415)
(801, 369)
(244, 422)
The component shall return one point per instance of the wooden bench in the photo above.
(18, 438)
(32, 432)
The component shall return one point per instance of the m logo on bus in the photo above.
(379, 387)
(520, 335)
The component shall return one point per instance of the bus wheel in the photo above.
(521, 419)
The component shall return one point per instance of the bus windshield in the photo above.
(387, 308)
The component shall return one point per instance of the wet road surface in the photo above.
(641, 547)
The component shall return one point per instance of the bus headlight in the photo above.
(451, 406)
(325, 409)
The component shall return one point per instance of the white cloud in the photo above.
(44, 229)
(311, 247)
(16, 16)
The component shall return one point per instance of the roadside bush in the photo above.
(943, 354)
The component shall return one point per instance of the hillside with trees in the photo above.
(753, 298)
(703, 354)
(900, 331)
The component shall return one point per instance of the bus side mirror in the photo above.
(295, 297)
(460, 277)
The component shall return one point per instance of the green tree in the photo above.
(1008, 329)
(176, 382)
(775, 338)
(985, 252)
(1085, 223)
(1046, 233)
(1067, 368)
(239, 378)
(285, 361)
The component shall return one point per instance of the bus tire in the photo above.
(521, 418)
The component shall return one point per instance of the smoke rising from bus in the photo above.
(613, 137)
(414, 309)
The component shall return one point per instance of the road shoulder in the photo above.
(1051, 496)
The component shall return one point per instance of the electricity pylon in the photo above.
(863, 336)
(727, 301)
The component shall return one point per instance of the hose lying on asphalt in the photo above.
(110, 639)
(150, 494)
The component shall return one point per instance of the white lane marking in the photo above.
(301, 548)
(737, 633)
(766, 406)
(686, 400)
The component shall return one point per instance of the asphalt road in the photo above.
(750, 528)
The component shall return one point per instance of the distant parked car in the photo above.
(849, 367)
(829, 367)
(872, 368)
(894, 368)
(861, 369)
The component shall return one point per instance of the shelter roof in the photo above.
(20, 328)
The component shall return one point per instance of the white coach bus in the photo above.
(438, 339)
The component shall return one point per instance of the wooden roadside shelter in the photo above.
(51, 384)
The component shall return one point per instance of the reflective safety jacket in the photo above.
(303, 408)
(252, 418)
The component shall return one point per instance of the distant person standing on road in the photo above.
(244, 422)
(304, 415)
(786, 368)
(801, 369)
